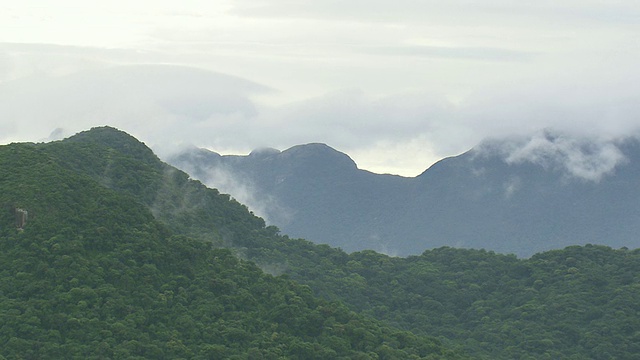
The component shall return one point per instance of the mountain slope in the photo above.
(553, 305)
(575, 303)
(87, 271)
(309, 191)
(479, 199)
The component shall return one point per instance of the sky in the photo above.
(395, 85)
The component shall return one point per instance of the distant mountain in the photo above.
(518, 196)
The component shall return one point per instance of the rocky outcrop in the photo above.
(22, 216)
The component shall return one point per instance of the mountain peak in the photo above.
(114, 138)
(319, 154)
(102, 132)
(264, 152)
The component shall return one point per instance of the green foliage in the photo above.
(119, 162)
(580, 302)
(94, 274)
(118, 259)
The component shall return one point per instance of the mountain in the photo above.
(565, 194)
(107, 252)
(95, 264)
(310, 191)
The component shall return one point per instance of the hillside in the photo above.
(87, 271)
(481, 199)
(574, 303)
(310, 191)
(118, 240)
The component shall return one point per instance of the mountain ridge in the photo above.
(94, 273)
(552, 193)
(128, 250)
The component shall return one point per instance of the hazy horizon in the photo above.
(397, 86)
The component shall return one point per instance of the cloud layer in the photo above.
(585, 158)
(168, 106)
(396, 85)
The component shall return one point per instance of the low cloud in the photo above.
(511, 186)
(400, 131)
(411, 10)
(585, 158)
(158, 103)
(352, 118)
(241, 189)
(6, 66)
(450, 52)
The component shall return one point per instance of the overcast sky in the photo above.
(395, 84)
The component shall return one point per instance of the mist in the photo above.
(583, 157)
(239, 187)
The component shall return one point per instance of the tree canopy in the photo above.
(123, 256)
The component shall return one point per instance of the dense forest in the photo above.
(86, 271)
(123, 256)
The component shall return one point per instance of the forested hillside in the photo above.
(575, 303)
(126, 256)
(87, 272)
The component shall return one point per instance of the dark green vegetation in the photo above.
(92, 273)
(116, 261)
(576, 303)
(475, 200)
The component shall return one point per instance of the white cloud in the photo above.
(586, 158)
(155, 102)
(244, 191)
(452, 52)
(511, 186)
(412, 10)
(396, 84)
